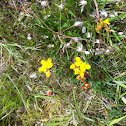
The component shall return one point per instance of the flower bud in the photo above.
(49, 93)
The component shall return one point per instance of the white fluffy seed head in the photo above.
(50, 46)
(83, 2)
(120, 33)
(44, 3)
(79, 48)
(87, 52)
(78, 23)
(104, 13)
(84, 30)
(61, 6)
(88, 35)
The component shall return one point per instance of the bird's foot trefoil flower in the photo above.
(103, 24)
(79, 68)
(46, 65)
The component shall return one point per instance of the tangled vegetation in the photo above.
(62, 63)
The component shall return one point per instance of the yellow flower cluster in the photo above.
(79, 67)
(46, 65)
(103, 24)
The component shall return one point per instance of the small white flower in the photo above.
(87, 52)
(78, 23)
(29, 37)
(84, 30)
(61, 6)
(82, 4)
(79, 48)
(50, 46)
(120, 33)
(44, 3)
(88, 35)
(33, 75)
(104, 13)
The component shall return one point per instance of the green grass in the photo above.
(23, 100)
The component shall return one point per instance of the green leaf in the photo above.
(106, 0)
(124, 99)
(123, 85)
(116, 120)
(56, 124)
(15, 56)
(70, 12)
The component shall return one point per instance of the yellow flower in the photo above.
(106, 21)
(46, 65)
(102, 24)
(48, 73)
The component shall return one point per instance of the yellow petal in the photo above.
(88, 66)
(43, 62)
(101, 25)
(49, 60)
(76, 71)
(42, 69)
(72, 66)
(107, 21)
(48, 73)
(101, 20)
(82, 74)
(49, 65)
(83, 66)
(78, 63)
(78, 59)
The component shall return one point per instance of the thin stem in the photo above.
(66, 28)
(96, 5)
(42, 22)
